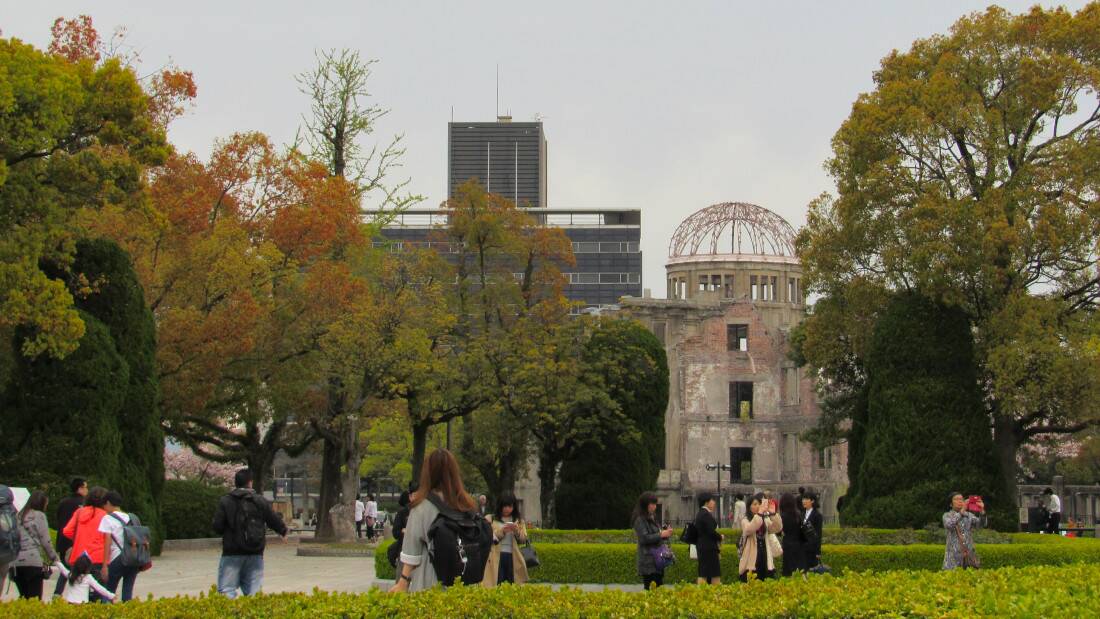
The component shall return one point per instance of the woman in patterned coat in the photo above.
(959, 523)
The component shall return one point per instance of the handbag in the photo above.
(662, 556)
(693, 552)
(774, 547)
(530, 557)
(809, 533)
(970, 560)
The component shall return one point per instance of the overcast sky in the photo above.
(663, 106)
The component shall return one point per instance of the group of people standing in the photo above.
(790, 528)
(87, 552)
(366, 514)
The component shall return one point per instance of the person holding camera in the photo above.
(959, 525)
(708, 546)
(651, 537)
(756, 557)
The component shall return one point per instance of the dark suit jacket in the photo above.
(65, 510)
(813, 547)
(707, 528)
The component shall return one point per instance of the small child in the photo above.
(80, 581)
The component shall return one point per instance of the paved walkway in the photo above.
(191, 572)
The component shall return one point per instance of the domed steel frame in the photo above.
(753, 230)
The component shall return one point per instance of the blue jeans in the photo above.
(244, 572)
(116, 572)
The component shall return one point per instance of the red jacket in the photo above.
(85, 525)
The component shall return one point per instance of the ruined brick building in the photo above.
(734, 288)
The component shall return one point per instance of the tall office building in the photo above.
(507, 158)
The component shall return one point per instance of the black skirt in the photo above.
(709, 566)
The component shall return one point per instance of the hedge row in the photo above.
(860, 536)
(188, 508)
(1027, 592)
(615, 563)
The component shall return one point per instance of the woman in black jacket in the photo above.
(650, 537)
(793, 542)
(812, 524)
(708, 545)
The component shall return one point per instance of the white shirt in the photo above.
(806, 518)
(738, 511)
(359, 507)
(371, 510)
(110, 524)
(1055, 504)
(77, 592)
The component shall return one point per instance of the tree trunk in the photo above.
(331, 459)
(420, 447)
(1006, 444)
(548, 473)
(260, 462)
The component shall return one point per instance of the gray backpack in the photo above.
(135, 542)
(9, 528)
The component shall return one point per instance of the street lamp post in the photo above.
(718, 466)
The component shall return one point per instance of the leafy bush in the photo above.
(188, 508)
(1028, 592)
(614, 563)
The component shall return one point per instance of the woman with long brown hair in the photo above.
(440, 476)
(29, 570)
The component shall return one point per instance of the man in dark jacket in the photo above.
(242, 519)
(66, 507)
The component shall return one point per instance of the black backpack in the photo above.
(459, 544)
(9, 529)
(249, 528)
(689, 535)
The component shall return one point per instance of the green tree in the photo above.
(73, 136)
(61, 415)
(970, 173)
(927, 433)
(340, 117)
(118, 301)
(601, 483)
(94, 413)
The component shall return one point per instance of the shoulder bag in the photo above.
(530, 557)
(970, 560)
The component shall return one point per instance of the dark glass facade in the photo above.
(605, 244)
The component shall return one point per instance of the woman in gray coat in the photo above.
(34, 534)
(959, 525)
(650, 538)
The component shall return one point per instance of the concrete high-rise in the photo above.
(507, 158)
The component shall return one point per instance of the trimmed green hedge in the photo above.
(861, 536)
(188, 508)
(615, 563)
(1028, 592)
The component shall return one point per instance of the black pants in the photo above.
(29, 582)
(658, 578)
(506, 571)
(358, 528)
(1053, 521)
